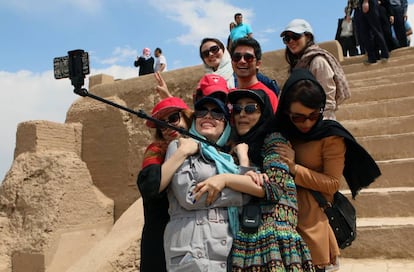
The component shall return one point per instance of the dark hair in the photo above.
(188, 118)
(237, 14)
(250, 42)
(158, 49)
(307, 93)
(291, 58)
(217, 41)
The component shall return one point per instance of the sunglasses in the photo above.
(215, 113)
(301, 118)
(173, 119)
(292, 36)
(248, 108)
(214, 49)
(238, 56)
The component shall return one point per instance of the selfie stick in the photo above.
(141, 114)
(76, 66)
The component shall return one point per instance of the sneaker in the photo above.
(333, 267)
(384, 60)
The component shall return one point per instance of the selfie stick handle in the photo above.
(141, 114)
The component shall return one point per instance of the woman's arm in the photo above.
(215, 184)
(176, 154)
(327, 179)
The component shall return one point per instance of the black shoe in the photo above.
(369, 62)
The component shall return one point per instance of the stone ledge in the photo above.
(392, 107)
(367, 203)
(380, 126)
(38, 136)
(383, 241)
(388, 147)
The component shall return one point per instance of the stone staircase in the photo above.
(380, 114)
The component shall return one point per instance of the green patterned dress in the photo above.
(276, 246)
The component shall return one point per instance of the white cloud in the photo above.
(202, 18)
(120, 54)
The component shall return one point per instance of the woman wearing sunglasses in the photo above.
(321, 152)
(175, 112)
(216, 59)
(302, 52)
(275, 245)
(198, 236)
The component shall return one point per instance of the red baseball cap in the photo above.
(165, 107)
(211, 84)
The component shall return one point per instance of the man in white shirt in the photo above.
(160, 62)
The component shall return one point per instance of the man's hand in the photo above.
(161, 88)
(365, 6)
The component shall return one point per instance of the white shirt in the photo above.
(160, 60)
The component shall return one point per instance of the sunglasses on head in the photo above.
(301, 118)
(291, 36)
(238, 56)
(214, 49)
(172, 119)
(215, 113)
(248, 108)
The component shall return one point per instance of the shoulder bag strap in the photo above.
(320, 199)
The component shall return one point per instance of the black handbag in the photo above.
(342, 217)
(251, 217)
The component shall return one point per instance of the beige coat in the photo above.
(323, 72)
(319, 167)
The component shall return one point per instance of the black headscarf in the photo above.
(360, 168)
(255, 136)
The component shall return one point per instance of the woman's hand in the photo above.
(188, 146)
(212, 186)
(287, 155)
(161, 88)
(257, 178)
(241, 150)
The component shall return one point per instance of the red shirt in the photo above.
(272, 96)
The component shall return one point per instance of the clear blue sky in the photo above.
(114, 33)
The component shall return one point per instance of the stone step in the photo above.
(380, 114)
(380, 69)
(380, 126)
(395, 54)
(375, 264)
(398, 58)
(394, 173)
(389, 147)
(379, 81)
(383, 238)
(395, 107)
(383, 202)
(372, 92)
